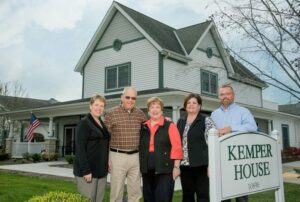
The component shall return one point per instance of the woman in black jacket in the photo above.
(193, 129)
(91, 152)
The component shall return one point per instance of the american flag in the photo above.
(34, 123)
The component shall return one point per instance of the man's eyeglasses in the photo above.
(128, 98)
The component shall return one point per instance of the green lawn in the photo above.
(18, 188)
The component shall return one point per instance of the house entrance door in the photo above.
(69, 140)
(285, 136)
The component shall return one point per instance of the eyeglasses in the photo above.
(128, 98)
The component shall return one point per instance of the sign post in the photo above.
(244, 163)
(279, 193)
(214, 166)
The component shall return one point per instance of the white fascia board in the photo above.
(93, 42)
(246, 80)
(201, 38)
(177, 56)
(269, 111)
(40, 109)
(179, 41)
(138, 27)
(220, 44)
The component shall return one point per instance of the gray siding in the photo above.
(144, 67)
(180, 76)
(119, 28)
(208, 42)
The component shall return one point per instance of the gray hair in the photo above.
(128, 88)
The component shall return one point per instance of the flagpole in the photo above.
(28, 147)
(33, 124)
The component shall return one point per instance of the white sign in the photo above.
(249, 164)
(244, 163)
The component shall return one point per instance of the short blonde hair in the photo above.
(97, 97)
(153, 100)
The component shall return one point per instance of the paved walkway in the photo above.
(47, 168)
(289, 174)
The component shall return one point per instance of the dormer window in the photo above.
(209, 83)
(117, 77)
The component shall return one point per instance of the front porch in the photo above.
(58, 121)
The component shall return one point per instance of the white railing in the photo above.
(19, 148)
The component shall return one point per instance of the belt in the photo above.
(124, 152)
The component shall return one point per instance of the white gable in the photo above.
(208, 42)
(119, 28)
(142, 56)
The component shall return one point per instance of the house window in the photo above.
(117, 77)
(209, 82)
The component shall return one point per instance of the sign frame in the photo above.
(217, 164)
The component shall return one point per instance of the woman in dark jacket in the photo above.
(91, 152)
(193, 129)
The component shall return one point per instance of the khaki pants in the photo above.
(125, 165)
(94, 190)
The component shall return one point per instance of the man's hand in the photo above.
(88, 178)
(168, 119)
(224, 131)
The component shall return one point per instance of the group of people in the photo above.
(129, 146)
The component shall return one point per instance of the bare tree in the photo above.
(14, 89)
(269, 29)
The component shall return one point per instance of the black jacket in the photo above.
(197, 147)
(91, 148)
(162, 144)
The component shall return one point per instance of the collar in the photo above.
(125, 110)
(160, 122)
(230, 107)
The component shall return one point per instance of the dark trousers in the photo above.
(157, 188)
(194, 180)
(239, 199)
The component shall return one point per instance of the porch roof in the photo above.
(171, 97)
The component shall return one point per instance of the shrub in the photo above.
(69, 159)
(59, 196)
(36, 157)
(53, 156)
(4, 156)
(49, 156)
(26, 156)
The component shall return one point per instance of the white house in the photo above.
(131, 49)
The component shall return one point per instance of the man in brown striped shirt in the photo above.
(124, 124)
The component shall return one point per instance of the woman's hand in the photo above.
(176, 172)
(88, 178)
(109, 165)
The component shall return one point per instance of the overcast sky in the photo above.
(41, 41)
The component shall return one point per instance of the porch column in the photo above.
(50, 134)
(50, 141)
(270, 127)
(175, 113)
(9, 140)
